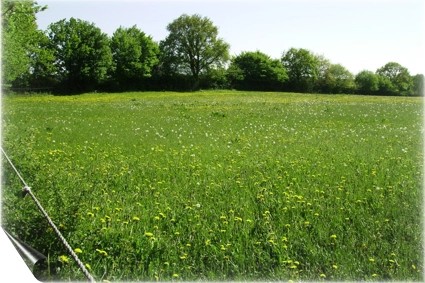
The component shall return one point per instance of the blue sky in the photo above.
(359, 34)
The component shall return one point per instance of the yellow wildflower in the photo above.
(64, 259)
(102, 252)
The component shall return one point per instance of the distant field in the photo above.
(219, 185)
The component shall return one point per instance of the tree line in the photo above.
(74, 56)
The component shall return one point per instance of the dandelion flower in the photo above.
(78, 251)
(64, 259)
(102, 252)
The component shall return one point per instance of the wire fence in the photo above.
(27, 190)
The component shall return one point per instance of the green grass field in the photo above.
(219, 185)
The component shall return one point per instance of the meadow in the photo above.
(219, 185)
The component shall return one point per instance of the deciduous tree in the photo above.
(337, 79)
(367, 82)
(302, 67)
(256, 71)
(395, 79)
(20, 37)
(134, 55)
(418, 85)
(192, 47)
(82, 54)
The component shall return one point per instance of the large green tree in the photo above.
(134, 56)
(367, 82)
(42, 72)
(82, 54)
(20, 37)
(418, 85)
(337, 79)
(303, 69)
(256, 71)
(192, 47)
(395, 79)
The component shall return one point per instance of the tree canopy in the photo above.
(75, 56)
(193, 47)
(367, 82)
(256, 71)
(302, 67)
(337, 79)
(20, 37)
(395, 79)
(134, 56)
(82, 53)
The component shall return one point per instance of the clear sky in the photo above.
(359, 34)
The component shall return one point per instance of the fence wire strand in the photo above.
(27, 190)
(14, 168)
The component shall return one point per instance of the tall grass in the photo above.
(220, 185)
